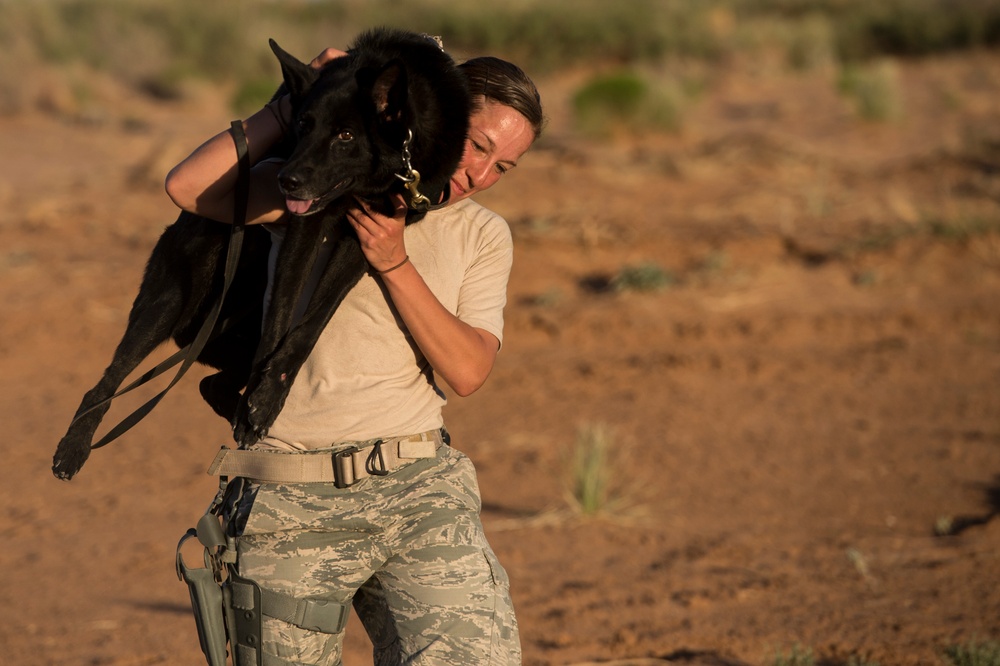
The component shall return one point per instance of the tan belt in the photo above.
(343, 467)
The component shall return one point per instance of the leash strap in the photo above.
(191, 352)
(162, 366)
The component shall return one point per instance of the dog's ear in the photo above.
(389, 91)
(298, 76)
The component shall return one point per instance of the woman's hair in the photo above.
(504, 82)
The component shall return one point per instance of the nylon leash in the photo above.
(191, 352)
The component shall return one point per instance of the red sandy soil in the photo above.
(806, 425)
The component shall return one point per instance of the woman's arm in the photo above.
(460, 354)
(204, 182)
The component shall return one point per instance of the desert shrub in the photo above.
(797, 656)
(915, 27)
(974, 653)
(133, 40)
(874, 88)
(864, 30)
(608, 99)
(161, 43)
(810, 43)
(625, 101)
(645, 276)
(962, 229)
(591, 472)
(556, 34)
(253, 94)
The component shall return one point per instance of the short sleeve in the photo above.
(483, 294)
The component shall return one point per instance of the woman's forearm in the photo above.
(461, 355)
(204, 182)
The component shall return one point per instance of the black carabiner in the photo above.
(376, 457)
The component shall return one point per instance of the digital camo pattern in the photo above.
(407, 548)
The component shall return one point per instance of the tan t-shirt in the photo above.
(366, 378)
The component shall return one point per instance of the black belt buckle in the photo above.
(340, 476)
(375, 457)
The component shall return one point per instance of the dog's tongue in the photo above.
(298, 206)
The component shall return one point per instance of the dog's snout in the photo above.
(293, 182)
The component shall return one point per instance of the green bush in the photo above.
(592, 474)
(797, 656)
(646, 276)
(915, 27)
(160, 43)
(875, 90)
(625, 101)
(559, 33)
(607, 100)
(974, 653)
(253, 94)
(810, 43)
(135, 39)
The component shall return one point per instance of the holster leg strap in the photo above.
(250, 602)
(328, 617)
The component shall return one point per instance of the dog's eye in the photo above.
(345, 135)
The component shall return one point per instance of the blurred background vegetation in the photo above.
(640, 52)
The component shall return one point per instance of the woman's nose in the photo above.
(478, 172)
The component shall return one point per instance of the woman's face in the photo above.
(498, 136)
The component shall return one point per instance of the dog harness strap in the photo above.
(343, 467)
(232, 257)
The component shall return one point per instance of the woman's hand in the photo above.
(381, 236)
(460, 354)
(326, 56)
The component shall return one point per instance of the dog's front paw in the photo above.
(242, 428)
(245, 431)
(259, 408)
(248, 426)
(69, 457)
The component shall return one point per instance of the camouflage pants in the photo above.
(407, 548)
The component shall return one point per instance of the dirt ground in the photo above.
(806, 424)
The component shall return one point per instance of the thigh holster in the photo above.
(208, 596)
(229, 609)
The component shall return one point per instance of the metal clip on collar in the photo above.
(412, 178)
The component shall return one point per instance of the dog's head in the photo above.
(351, 118)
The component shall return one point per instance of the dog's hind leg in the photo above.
(269, 386)
(148, 328)
(180, 277)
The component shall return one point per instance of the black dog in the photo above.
(395, 109)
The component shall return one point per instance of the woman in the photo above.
(406, 547)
